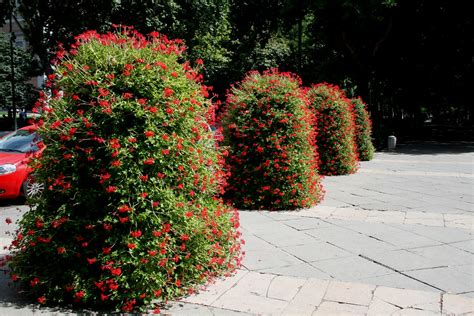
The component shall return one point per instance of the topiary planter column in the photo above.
(130, 213)
(335, 128)
(363, 130)
(267, 130)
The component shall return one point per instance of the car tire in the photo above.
(31, 188)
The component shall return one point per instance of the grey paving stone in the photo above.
(316, 251)
(334, 202)
(402, 260)
(306, 223)
(467, 269)
(447, 279)
(439, 209)
(398, 280)
(253, 242)
(352, 199)
(351, 241)
(267, 227)
(280, 215)
(268, 258)
(249, 217)
(405, 240)
(301, 270)
(445, 255)
(441, 234)
(368, 228)
(332, 232)
(289, 238)
(468, 294)
(464, 245)
(351, 268)
(411, 203)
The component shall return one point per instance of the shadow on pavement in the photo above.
(8, 295)
(12, 303)
(433, 148)
(17, 202)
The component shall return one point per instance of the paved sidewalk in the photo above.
(395, 238)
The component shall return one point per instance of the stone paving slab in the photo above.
(261, 293)
(440, 234)
(302, 270)
(447, 279)
(418, 173)
(389, 217)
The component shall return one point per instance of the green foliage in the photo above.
(273, 54)
(45, 23)
(202, 24)
(363, 126)
(130, 213)
(25, 92)
(267, 127)
(335, 128)
(375, 43)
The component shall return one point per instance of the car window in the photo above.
(20, 141)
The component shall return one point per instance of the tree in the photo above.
(46, 23)
(23, 67)
(202, 24)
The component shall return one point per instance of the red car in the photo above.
(16, 149)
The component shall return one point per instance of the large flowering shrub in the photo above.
(335, 129)
(130, 213)
(363, 124)
(267, 127)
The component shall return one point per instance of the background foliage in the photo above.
(25, 92)
(411, 61)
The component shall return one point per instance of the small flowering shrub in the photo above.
(267, 128)
(335, 129)
(363, 124)
(129, 215)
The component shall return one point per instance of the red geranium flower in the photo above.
(149, 133)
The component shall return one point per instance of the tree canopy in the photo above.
(24, 91)
(407, 59)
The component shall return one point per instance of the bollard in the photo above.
(392, 142)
